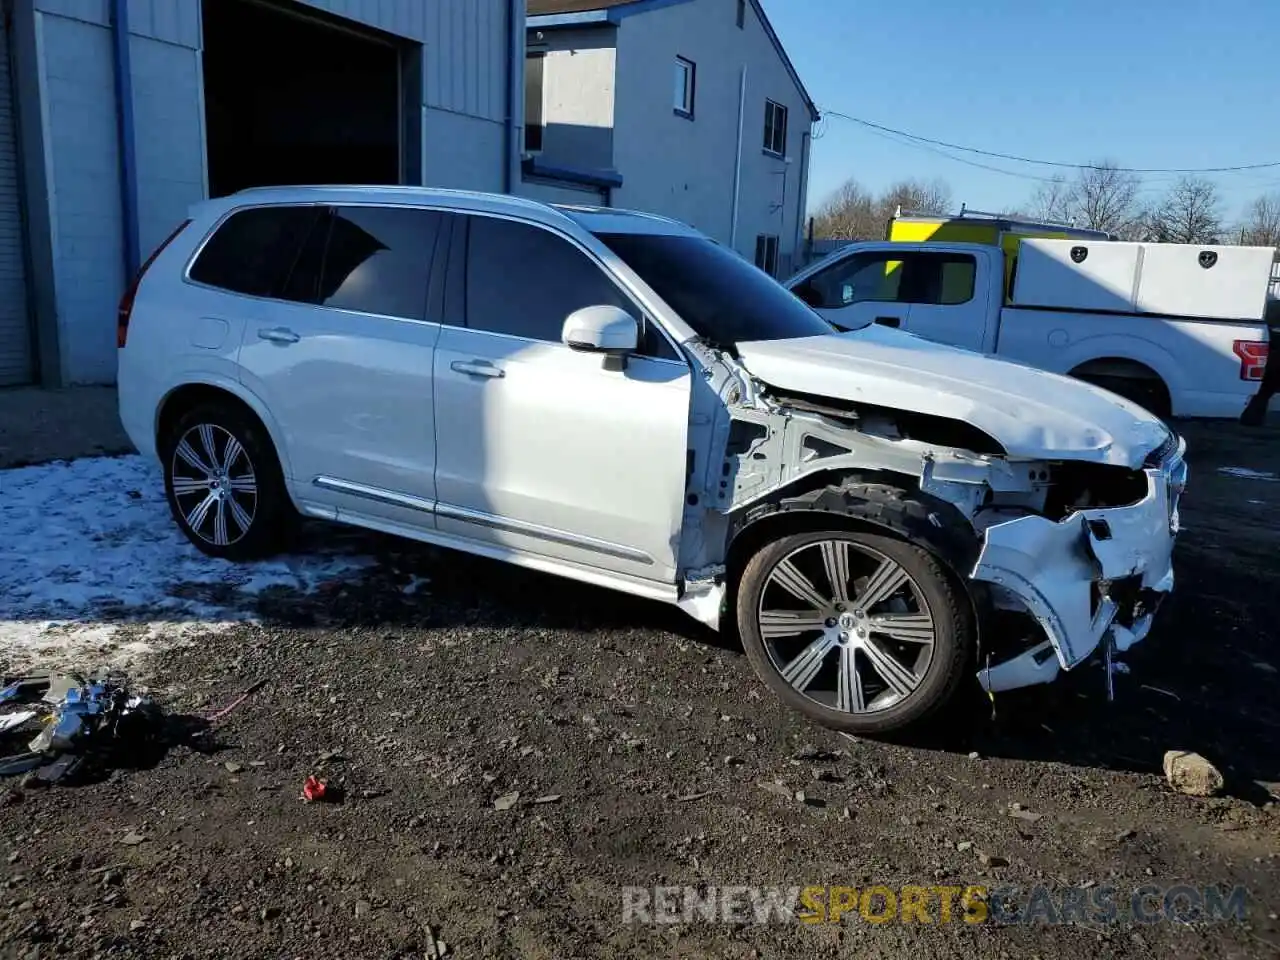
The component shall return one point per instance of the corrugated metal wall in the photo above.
(463, 97)
(16, 360)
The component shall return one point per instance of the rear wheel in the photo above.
(1150, 393)
(861, 632)
(224, 483)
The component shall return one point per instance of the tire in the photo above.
(235, 511)
(1151, 395)
(927, 675)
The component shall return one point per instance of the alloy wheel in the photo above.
(846, 626)
(214, 484)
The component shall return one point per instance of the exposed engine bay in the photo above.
(1068, 554)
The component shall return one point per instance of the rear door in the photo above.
(948, 298)
(342, 355)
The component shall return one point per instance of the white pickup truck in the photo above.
(1177, 328)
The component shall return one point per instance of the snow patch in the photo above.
(93, 565)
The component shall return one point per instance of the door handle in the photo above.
(477, 368)
(889, 321)
(278, 335)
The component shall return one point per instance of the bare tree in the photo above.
(848, 214)
(1191, 212)
(1100, 197)
(917, 197)
(1262, 223)
(1051, 201)
(852, 213)
(1104, 197)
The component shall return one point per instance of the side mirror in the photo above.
(601, 329)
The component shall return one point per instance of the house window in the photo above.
(686, 75)
(742, 13)
(775, 128)
(534, 66)
(767, 254)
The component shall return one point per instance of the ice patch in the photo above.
(92, 564)
(1245, 473)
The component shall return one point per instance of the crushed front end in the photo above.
(1089, 565)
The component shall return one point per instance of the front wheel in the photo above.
(860, 632)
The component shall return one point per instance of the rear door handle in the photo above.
(477, 368)
(889, 321)
(278, 335)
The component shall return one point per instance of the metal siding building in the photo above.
(72, 222)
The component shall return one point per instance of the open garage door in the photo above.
(16, 344)
(293, 99)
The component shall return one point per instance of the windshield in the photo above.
(722, 297)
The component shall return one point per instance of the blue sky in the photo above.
(1146, 83)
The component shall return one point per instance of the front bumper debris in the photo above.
(1096, 576)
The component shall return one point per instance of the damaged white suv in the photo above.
(613, 397)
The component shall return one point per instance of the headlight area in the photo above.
(1091, 564)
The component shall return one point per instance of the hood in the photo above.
(1033, 414)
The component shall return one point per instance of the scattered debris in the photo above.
(249, 691)
(964, 846)
(316, 790)
(1192, 774)
(1124, 835)
(132, 839)
(233, 767)
(507, 801)
(1022, 813)
(690, 797)
(815, 755)
(549, 798)
(975, 755)
(776, 787)
(991, 860)
(80, 716)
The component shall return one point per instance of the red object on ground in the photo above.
(313, 789)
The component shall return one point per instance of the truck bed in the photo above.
(1195, 358)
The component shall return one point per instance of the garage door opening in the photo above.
(290, 99)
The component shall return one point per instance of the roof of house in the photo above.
(553, 13)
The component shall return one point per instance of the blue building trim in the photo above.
(615, 16)
(125, 135)
(603, 179)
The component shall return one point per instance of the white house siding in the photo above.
(685, 168)
(463, 105)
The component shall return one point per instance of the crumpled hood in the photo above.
(1032, 413)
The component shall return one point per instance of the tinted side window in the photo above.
(524, 281)
(860, 278)
(253, 251)
(378, 260)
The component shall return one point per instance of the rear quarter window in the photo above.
(253, 250)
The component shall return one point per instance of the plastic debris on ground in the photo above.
(61, 721)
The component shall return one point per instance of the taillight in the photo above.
(1253, 358)
(126, 302)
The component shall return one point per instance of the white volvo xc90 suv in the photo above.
(614, 397)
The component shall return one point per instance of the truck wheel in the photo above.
(860, 632)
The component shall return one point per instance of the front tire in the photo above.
(860, 632)
(224, 483)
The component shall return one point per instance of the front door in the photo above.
(542, 449)
(859, 290)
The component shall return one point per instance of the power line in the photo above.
(1047, 163)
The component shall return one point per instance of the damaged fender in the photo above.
(1064, 572)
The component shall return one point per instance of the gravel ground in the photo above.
(644, 752)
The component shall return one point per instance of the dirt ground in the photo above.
(646, 753)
